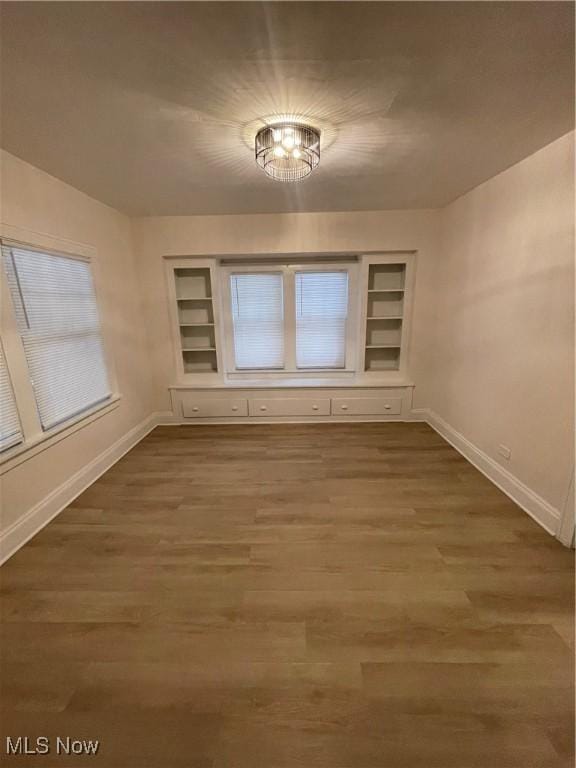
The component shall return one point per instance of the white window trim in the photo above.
(35, 438)
(290, 370)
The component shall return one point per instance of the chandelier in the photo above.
(288, 151)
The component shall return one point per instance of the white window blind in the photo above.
(58, 320)
(10, 430)
(321, 313)
(258, 320)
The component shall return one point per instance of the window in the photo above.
(257, 316)
(321, 313)
(57, 316)
(289, 318)
(10, 431)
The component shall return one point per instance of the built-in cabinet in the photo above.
(294, 404)
(380, 325)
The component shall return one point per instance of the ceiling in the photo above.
(151, 107)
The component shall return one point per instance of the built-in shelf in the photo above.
(382, 359)
(201, 363)
(194, 298)
(196, 319)
(386, 277)
(385, 312)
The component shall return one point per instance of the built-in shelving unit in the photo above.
(379, 327)
(384, 316)
(196, 319)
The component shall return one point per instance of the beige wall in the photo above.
(272, 234)
(504, 346)
(34, 201)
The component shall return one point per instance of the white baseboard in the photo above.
(248, 421)
(568, 521)
(46, 510)
(537, 507)
(166, 419)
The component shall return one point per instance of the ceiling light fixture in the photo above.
(288, 151)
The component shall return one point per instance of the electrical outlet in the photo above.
(504, 451)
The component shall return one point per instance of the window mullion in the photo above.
(352, 323)
(289, 319)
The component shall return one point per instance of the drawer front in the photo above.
(366, 406)
(205, 409)
(289, 406)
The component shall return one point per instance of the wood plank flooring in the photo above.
(292, 596)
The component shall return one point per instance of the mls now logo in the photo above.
(23, 745)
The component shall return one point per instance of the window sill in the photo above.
(352, 382)
(25, 451)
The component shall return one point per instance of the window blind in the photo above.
(258, 320)
(10, 430)
(58, 320)
(321, 313)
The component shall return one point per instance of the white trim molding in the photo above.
(538, 508)
(568, 522)
(167, 419)
(48, 508)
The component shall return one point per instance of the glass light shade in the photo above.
(287, 151)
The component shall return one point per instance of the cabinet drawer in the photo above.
(289, 406)
(216, 408)
(366, 406)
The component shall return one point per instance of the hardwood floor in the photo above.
(292, 596)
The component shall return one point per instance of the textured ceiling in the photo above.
(151, 107)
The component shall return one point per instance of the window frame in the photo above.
(230, 354)
(35, 438)
(288, 272)
(18, 437)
